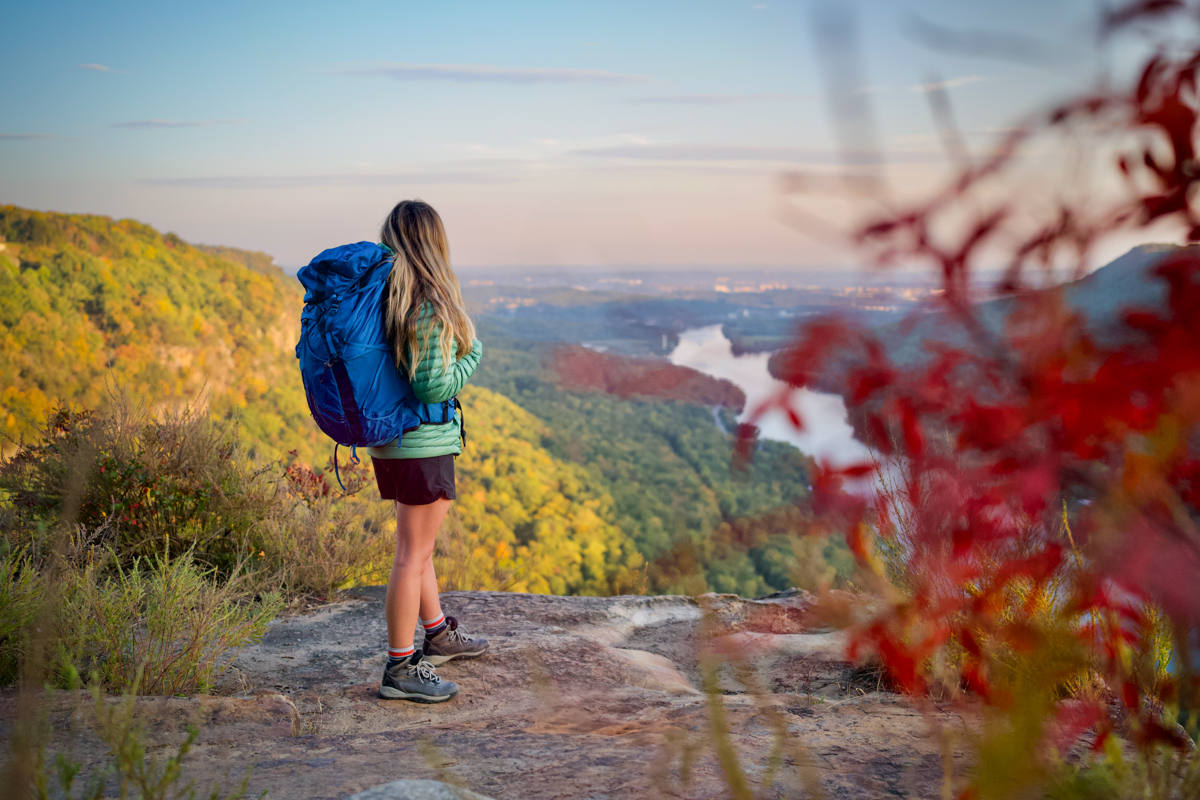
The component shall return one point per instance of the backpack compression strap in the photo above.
(353, 460)
(462, 420)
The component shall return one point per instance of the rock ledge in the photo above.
(580, 697)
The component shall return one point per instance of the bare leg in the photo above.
(416, 529)
(431, 603)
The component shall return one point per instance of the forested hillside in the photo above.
(533, 522)
(90, 305)
(667, 466)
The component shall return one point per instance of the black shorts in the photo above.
(415, 481)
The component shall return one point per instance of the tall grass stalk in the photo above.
(166, 625)
(21, 593)
(117, 726)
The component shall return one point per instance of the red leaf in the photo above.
(1129, 695)
(856, 470)
(961, 541)
(878, 436)
(989, 427)
(914, 437)
(1151, 731)
(856, 542)
(1037, 567)
(1071, 720)
(976, 681)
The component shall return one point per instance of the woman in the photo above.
(433, 341)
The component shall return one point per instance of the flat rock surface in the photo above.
(417, 790)
(579, 697)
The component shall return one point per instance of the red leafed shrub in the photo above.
(303, 481)
(1035, 519)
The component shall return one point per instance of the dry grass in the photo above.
(138, 482)
(165, 545)
(167, 626)
(318, 538)
(319, 547)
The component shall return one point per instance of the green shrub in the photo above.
(145, 485)
(139, 483)
(170, 620)
(166, 625)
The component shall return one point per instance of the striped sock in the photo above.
(397, 655)
(434, 626)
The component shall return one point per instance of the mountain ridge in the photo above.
(91, 305)
(1101, 296)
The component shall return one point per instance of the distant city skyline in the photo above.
(585, 134)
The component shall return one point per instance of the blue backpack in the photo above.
(355, 393)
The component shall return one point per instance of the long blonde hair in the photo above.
(421, 274)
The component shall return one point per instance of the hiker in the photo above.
(385, 346)
(436, 351)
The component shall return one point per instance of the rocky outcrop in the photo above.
(580, 697)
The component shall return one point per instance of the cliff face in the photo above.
(579, 697)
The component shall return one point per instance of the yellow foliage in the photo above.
(95, 304)
(529, 521)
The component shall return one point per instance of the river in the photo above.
(826, 436)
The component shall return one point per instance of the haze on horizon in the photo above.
(593, 134)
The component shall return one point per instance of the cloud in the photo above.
(781, 154)
(712, 99)
(148, 124)
(950, 84)
(978, 43)
(486, 73)
(316, 181)
(25, 137)
(102, 68)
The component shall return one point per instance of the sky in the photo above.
(580, 134)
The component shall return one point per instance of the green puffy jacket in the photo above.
(434, 383)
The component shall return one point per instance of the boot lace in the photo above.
(453, 633)
(424, 672)
(455, 636)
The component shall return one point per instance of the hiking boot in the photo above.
(452, 643)
(415, 680)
